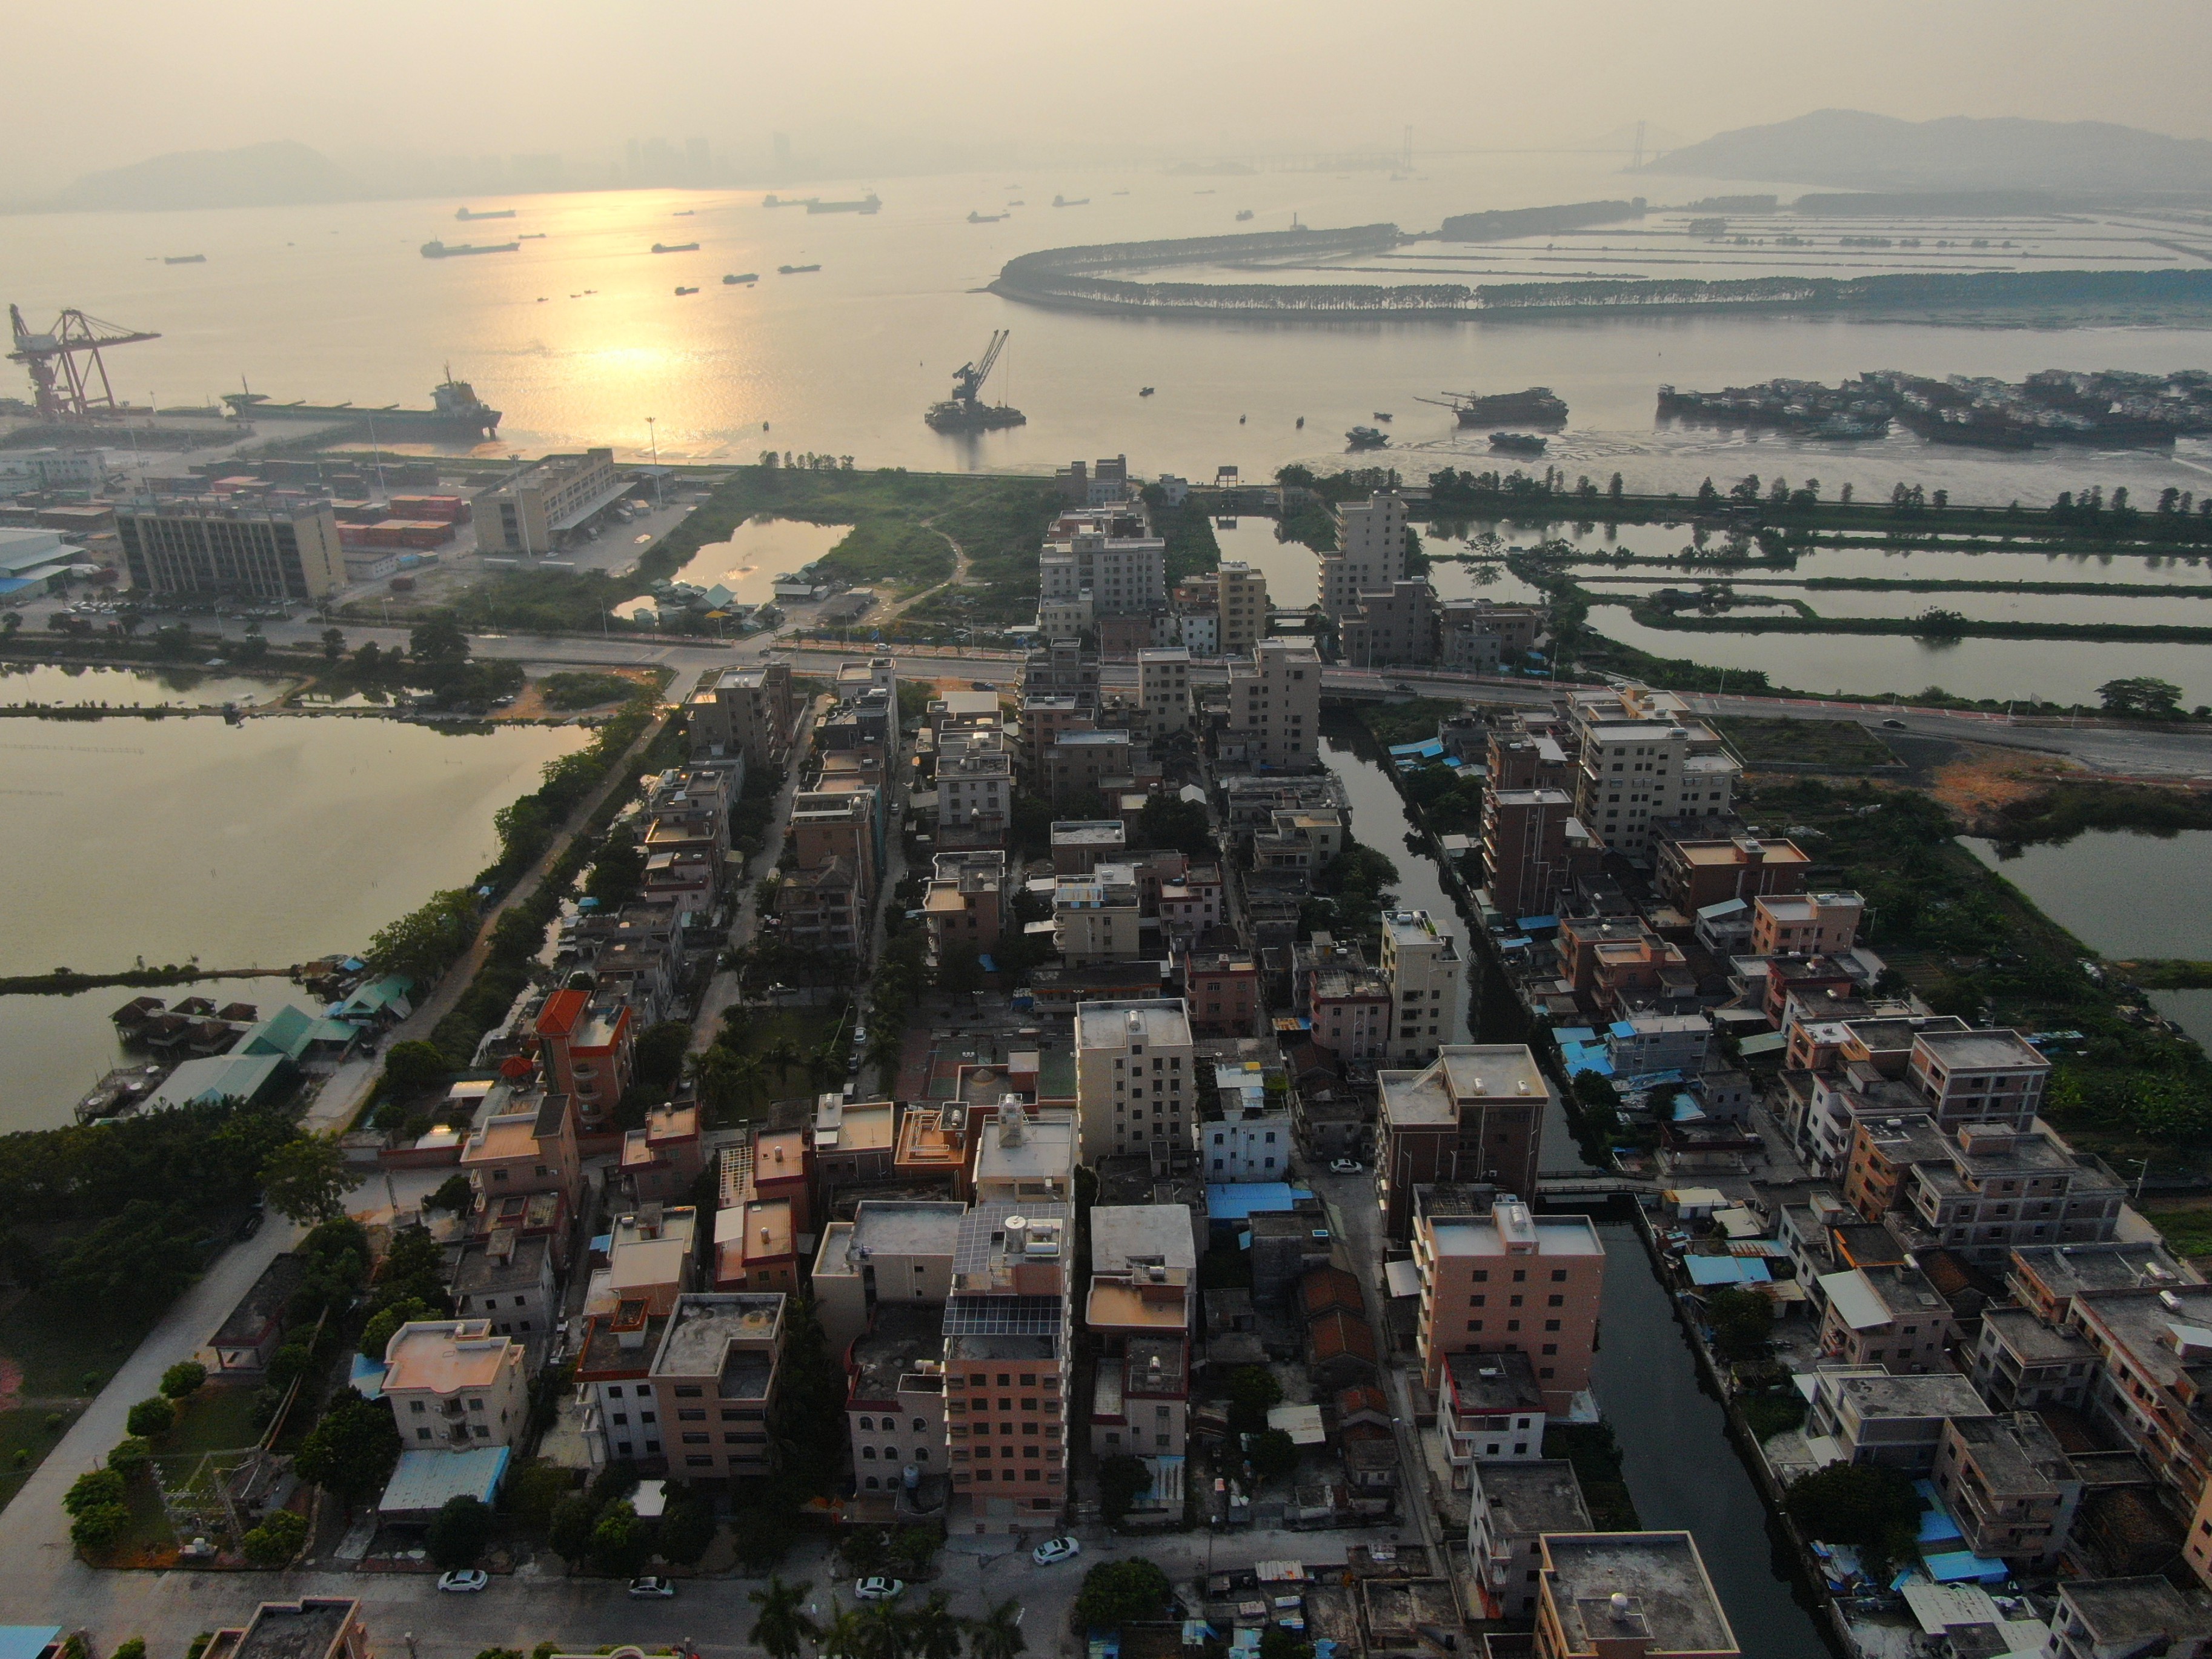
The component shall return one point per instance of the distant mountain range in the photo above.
(279, 173)
(1851, 148)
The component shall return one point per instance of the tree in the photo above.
(99, 1528)
(687, 1528)
(385, 1323)
(1122, 1482)
(438, 641)
(351, 1450)
(131, 1457)
(844, 1635)
(1742, 1322)
(659, 1055)
(92, 1489)
(1168, 821)
(333, 643)
(998, 1633)
(569, 1532)
(884, 1630)
(932, 1631)
(1861, 1504)
(1117, 1593)
(2140, 698)
(152, 1416)
(1274, 1454)
(133, 1648)
(620, 1543)
(721, 1076)
(276, 1540)
(11, 622)
(1252, 1393)
(413, 1066)
(459, 1532)
(454, 1195)
(421, 943)
(307, 1179)
(1276, 1642)
(183, 1379)
(617, 872)
(782, 1627)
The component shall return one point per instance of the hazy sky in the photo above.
(499, 76)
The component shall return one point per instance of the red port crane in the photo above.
(67, 375)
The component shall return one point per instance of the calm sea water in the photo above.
(580, 336)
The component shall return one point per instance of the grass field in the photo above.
(25, 1431)
(1805, 743)
(64, 1354)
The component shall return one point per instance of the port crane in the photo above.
(68, 378)
(965, 410)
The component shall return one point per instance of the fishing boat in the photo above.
(975, 218)
(681, 292)
(1518, 443)
(1078, 201)
(1144, 392)
(1380, 416)
(185, 259)
(1243, 214)
(1537, 406)
(1366, 437)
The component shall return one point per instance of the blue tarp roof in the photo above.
(1575, 1033)
(986, 964)
(1726, 1270)
(1964, 1566)
(1620, 1028)
(425, 1479)
(1581, 1057)
(367, 1377)
(1427, 750)
(1520, 941)
(1237, 1201)
(1536, 924)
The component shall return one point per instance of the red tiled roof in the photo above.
(560, 1013)
(1336, 1334)
(1325, 1288)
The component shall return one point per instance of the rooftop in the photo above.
(1462, 1072)
(2017, 1455)
(306, 1629)
(1980, 1051)
(730, 1336)
(1512, 1229)
(502, 1262)
(1606, 1587)
(443, 1356)
(1121, 1234)
(2124, 1610)
(1490, 1383)
(1939, 1395)
(906, 1336)
(1869, 1298)
(893, 1227)
(1108, 1025)
(1528, 1499)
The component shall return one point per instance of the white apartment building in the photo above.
(1065, 619)
(1645, 757)
(975, 782)
(1370, 552)
(1250, 1140)
(453, 1384)
(1095, 917)
(1274, 705)
(1200, 632)
(1135, 1077)
(1108, 553)
(1164, 688)
(1424, 968)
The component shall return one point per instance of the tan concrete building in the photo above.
(1629, 1595)
(533, 513)
(714, 1379)
(894, 1252)
(1135, 1078)
(1164, 689)
(1009, 1347)
(1476, 1114)
(206, 546)
(1274, 706)
(1645, 758)
(453, 1384)
(1424, 966)
(1241, 606)
(746, 711)
(1370, 552)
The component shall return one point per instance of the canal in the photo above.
(1681, 1467)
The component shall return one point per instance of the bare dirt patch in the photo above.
(1986, 777)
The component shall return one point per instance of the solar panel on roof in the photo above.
(1002, 1315)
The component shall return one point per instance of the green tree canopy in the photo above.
(1117, 1593)
(1861, 1504)
(351, 1450)
(1121, 1481)
(152, 1416)
(438, 639)
(307, 1179)
(782, 1628)
(423, 942)
(2140, 698)
(459, 1532)
(276, 1540)
(1168, 821)
(183, 1379)
(1741, 1321)
(413, 1066)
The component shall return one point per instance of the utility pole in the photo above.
(653, 436)
(1640, 145)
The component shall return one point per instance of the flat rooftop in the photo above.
(1122, 1233)
(306, 1629)
(1109, 1025)
(730, 1336)
(895, 1227)
(1530, 1498)
(444, 1356)
(905, 1336)
(1981, 1051)
(1942, 1395)
(1670, 1600)
(1499, 1234)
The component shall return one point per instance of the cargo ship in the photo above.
(795, 271)
(436, 249)
(681, 292)
(867, 204)
(466, 214)
(1518, 443)
(1070, 201)
(456, 415)
(732, 279)
(975, 218)
(676, 247)
(1537, 406)
(184, 259)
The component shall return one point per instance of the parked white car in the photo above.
(1062, 1548)
(464, 1581)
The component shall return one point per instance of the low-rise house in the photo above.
(651, 1257)
(1489, 1409)
(1867, 1416)
(455, 1384)
(2008, 1486)
(312, 1628)
(1887, 1316)
(1511, 1506)
(2126, 1618)
(1248, 1136)
(249, 1338)
(893, 1253)
(508, 1280)
(662, 1161)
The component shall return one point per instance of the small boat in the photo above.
(184, 259)
(1018, 204)
(1079, 201)
(541, 298)
(868, 203)
(1243, 214)
(1302, 423)
(683, 291)
(741, 276)
(676, 247)
(795, 271)
(1366, 437)
(975, 218)
(1240, 419)
(1518, 443)
(1145, 392)
(1380, 416)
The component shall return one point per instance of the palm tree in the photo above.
(884, 1630)
(933, 1629)
(844, 1635)
(783, 1056)
(783, 1624)
(716, 1073)
(998, 1633)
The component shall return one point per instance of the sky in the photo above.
(876, 79)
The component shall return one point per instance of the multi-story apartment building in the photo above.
(523, 1144)
(1995, 1188)
(965, 903)
(1476, 1114)
(2123, 1617)
(1692, 874)
(588, 1047)
(1349, 1005)
(1141, 1307)
(1248, 1134)
(1083, 764)
(1474, 634)
(535, 511)
(2154, 1345)
(1511, 1505)
(1164, 689)
(1860, 1414)
(506, 1279)
(713, 1383)
(1979, 1077)
(1222, 989)
(2008, 1484)
(202, 546)
(843, 826)
(2022, 1365)
(1108, 553)
(1025, 1159)
(1629, 1595)
(1009, 1342)
(1096, 918)
(1274, 706)
(1241, 607)
(975, 789)
(1645, 757)
(1535, 849)
(1424, 966)
(1370, 552)
(1390, 627)
(895, 1397)
(1512, 1281)
(1135, 1078)
(748, 712)
(894, 1253)
(453, 1384)
(1889, 1315)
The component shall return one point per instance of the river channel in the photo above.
(1681, 1467)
